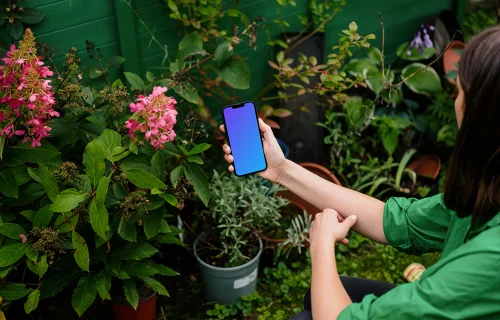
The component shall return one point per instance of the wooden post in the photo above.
(127, 36)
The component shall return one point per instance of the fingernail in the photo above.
(354, 218)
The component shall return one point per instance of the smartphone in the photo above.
(244, 138)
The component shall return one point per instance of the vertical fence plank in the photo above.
(127, 36)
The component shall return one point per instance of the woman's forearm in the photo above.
(324, 194)
(328, 295)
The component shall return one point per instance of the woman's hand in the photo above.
(276, 161)
(327, 229)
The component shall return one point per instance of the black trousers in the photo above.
(356, 288)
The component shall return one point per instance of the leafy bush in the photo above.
(85, 198)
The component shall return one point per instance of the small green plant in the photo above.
(15, 16)
(478, 20)
(241, 209)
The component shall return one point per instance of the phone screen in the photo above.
(244, 138)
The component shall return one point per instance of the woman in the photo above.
(463, 223)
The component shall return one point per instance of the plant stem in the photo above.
(383, 44)
(210, 56)
(104, 72)
(320, 26)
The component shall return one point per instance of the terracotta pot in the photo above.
(452, 57)
(146, 310)
(426, 166)
(318, 170)
(298, 204)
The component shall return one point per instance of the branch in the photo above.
(383, 43)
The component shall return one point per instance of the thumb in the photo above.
(349, 222)
(266, 130)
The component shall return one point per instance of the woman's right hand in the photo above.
(276, 161)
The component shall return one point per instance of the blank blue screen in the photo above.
(245, 140)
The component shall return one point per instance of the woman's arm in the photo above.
(324, 194)
(317, 191)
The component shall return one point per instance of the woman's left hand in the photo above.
(326, 230)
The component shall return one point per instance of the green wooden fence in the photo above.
(112, 26)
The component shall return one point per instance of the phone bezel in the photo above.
(239, 105)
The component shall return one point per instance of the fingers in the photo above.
(230, 168)
(222, 128)
(226, 148)
(229, 158)
(349, 221)
(266, 130)
(345, 242)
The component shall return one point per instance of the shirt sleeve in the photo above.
(416, 226)
(464, 288)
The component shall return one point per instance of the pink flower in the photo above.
(153, 118)
(26, 93)
(23, 238)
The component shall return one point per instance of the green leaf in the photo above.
(222, 53)
(16, 29)
(67, 200)
(102, 189)
(28, 214)
(56, 283)
(95, 72)
(176, 174)
(165, 271)
(158, 165)
(282, 113)
(33, 172)
(84, 294)
(133, 251)
(93, 159)
(353, 27)
(45, 153)
(14, 291)
(119, 153)
(390, 140)
(8, 184)
(31, 16)
(233, 13)
(81, 251)
(199, 148)
(424, 82)
(12, 230)
(194, 159)
(21, 174)
(373, 78)
(2, 145)
(235, 73)
(32, 301)
(280, 56)
(172, 6)
(130, 289)
(415, 55)
(188, 92)
(132, 147)
(199, 179)
(143, 179)
(156, 286)
(192, 39)
(190, 51)
(66, 226)
(127, 230)
(164, 226)
(135, 81)
(175, 67)
(375, 55)
(110, 140)
(49, 182)
(152, 222)
(356, 66)
(11, 253)
(39, 268)
(115, 62)
(43, 217)
(103, 284)
(169, 198)
(98, 217)
(139, 269)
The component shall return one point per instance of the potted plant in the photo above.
(87, 185)
(228, 252)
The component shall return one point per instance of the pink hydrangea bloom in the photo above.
(23, 238)
(153, 119)
(26, 93)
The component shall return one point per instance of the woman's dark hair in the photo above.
(473, 181)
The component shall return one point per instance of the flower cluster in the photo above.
(26, 96)
(153, 118)
(422, 39)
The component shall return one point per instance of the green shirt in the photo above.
(464, 284)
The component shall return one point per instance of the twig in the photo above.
(197, 64)
(320, 26)
(383, 43)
